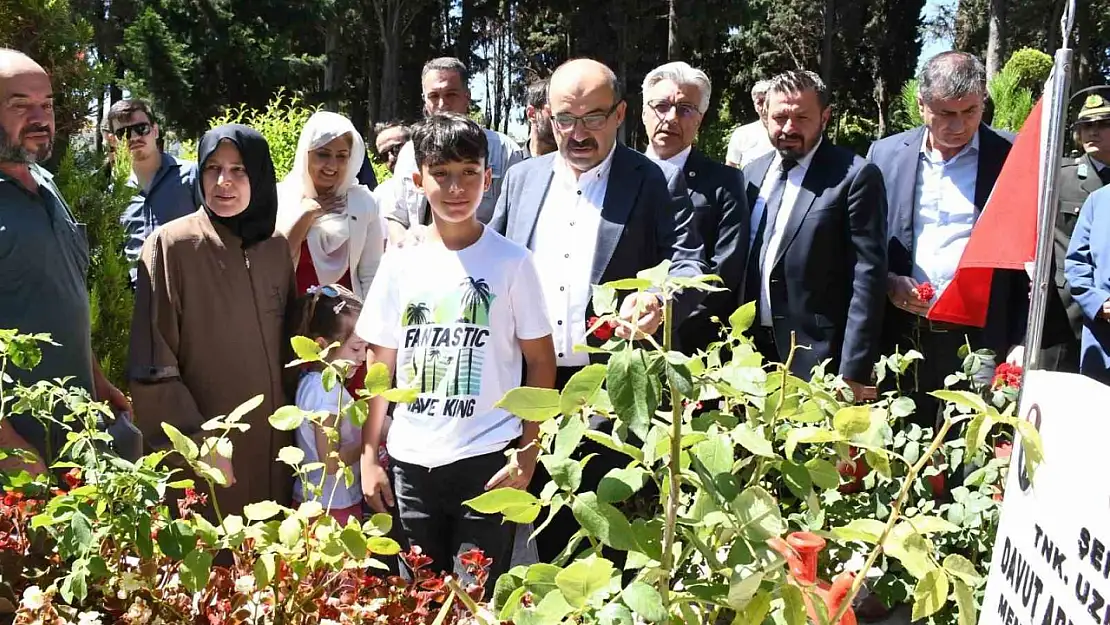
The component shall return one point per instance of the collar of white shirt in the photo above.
(678, 160)
(565, 175)
(933, 156)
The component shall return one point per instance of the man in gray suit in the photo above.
(592, 212)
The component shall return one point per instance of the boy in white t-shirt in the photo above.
(453, 317)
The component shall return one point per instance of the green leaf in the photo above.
(499, 499)
(656, 275)
(878, 460)
(354, 543)
(291, 456)
(715, 454)
(380, 522)
(581, 388)
(756, 609)
(615, 614)
(810, 434)
(902, 407)
(265, 568)
(862, 530)
(181, 444)
(177, 539)
(964, 399)
(531, 404)
(241, 411)
(930, 594)
(911, 549)
(629, 284)
(1031, 445)
(645, 602)
(382, 546)
(931, 525)
(852, 420)
(631, 390)
(741, 588)
(401, 395)
(966, 608)
(620, 484)
(794, 606)
(603, 522)
(797, 479)
(261, 510)
(540, 578)
(741, 319)
(977, 432)
(289, 532)
(680, 379)
(759, 513)
(580, 581)
(286, 418)
(604, 300)
(570, 434)
(566, 473)
(748, 438)
(75, 585)
(306, 349)
(961, 568)
(823, 473)
(609, 442)
(143, 540)
(377, 379)
(81, 532)
(195, 569)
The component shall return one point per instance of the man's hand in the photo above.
(517, 472)
(375, 486)
(106, 391)
(902, 291)
(644, 311)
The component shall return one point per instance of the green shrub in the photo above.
(854, 132)
(908, 113)
(1030, 69)
(280, 123)
(1012, 102)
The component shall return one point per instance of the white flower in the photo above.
(33, 599)
(244, 584)
(89, 618)
(328, 621)
(139, 612)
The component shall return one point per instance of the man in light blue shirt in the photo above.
(163, 184)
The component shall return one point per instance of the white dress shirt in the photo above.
(678, 160)
(563, 249)
(747, 143)
(773, 232)
(944, 204)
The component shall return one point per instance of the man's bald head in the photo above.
(26, 110)
(586, 110)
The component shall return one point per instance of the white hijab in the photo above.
(329, 235)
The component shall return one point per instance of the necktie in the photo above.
(764, 230)
(1104, 175)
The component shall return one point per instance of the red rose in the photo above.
(72, 478)
(925, 292)
(603, 332)
(1007, 375)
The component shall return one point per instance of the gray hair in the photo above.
(797, 81)
(681, 74)
(759, 89)
(447, 64)
(950, 76)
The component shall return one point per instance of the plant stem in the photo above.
(673, 468)
(895, 514)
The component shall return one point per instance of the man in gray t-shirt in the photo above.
(44, 255)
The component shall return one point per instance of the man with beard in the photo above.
(444, 84)
(676, 97)
(541, 138)
(44, 258)
(817, 266)
(163, 184)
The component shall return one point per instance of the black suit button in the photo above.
(560, 354)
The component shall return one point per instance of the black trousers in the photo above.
(940, 345)
(432, 515)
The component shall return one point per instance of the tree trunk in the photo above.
(881, 104)
(332, 71)
(996, 37)
(391, 70)
(674, 49)
(827, 37)
(465, 38)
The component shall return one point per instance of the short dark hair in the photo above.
(797, 81)
(951, 75)
(448, 138)
(447, 64)
(127, 108)
(536, 93)
(381, 127)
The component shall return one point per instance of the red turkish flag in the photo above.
(1005, 235)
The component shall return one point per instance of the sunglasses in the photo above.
(663, 108)
(392, 150)
(141, 130)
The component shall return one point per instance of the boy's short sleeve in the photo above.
(526, 299)
(380, 321)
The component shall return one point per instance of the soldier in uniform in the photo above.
(1081, 173)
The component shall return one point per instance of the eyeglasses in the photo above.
(392, 150)
(663, 108)
(141, 130)
(592, 121)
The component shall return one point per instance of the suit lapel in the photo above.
(905, 175)
(804, 201)
(620, 196)
(532, 197)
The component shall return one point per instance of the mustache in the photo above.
(36, 128)
(585, 143)
(792, 136)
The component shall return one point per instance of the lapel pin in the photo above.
(693, 173)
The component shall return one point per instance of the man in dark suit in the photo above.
(817, 266)
(592, 212)
(938, 178)
(676, 97)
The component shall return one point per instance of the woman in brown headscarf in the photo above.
(207, 334)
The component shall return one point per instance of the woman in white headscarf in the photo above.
(331, 221)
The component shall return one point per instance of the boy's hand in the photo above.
(375, 487)
(517, 472)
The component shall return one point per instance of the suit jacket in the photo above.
(722, 217)
(898, 156)
(828, 278)
(646, 218)
(1078, 179)
(1087, 268)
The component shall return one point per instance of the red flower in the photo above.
(415, 559)
(925, 292)
(191, 499)
(603, 332)
(72, 478)
(475, 559)
(1007, 375)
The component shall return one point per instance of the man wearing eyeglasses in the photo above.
(676, 96)
(444, 84)
(163, 184)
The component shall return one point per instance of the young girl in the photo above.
(327, 314)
